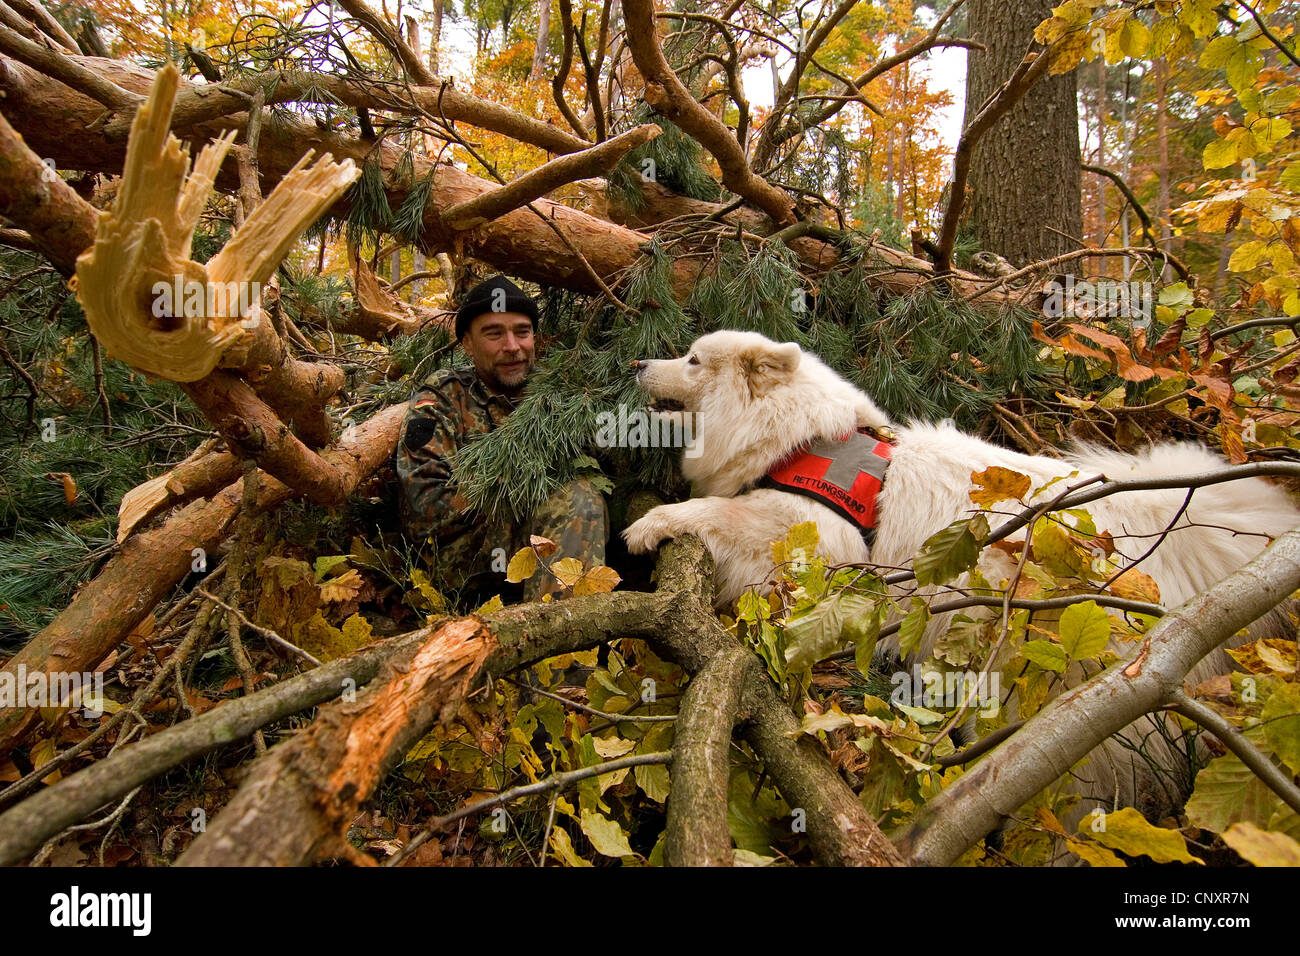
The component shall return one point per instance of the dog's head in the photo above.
(749, 401)
(738, 367)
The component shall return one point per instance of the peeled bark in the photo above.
(201, 475)
(299, 799)
(142, 248)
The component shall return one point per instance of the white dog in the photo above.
(756, 402)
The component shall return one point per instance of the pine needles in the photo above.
(921, 357)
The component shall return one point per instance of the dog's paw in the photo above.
(647, 534)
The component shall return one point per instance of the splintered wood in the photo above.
(438, 675)
(147, 302)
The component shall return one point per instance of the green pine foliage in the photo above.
(921, 357)
(48, 543)
(671, 159)
(370, 212)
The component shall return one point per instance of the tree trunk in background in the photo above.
(1162, 149)
(1025, 174)
(1103, 111)
(543, 39)
(436, 38)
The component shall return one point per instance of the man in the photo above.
(496, 325)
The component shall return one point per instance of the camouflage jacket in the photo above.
(449, 407)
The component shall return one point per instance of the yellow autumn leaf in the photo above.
(1163, 36)
(1066, 52)
(1199, 16)
(800, 543)
(521, 566)
(995, 484)
(1262, 847)
(1092, 854)
(1247, 255)
(42, 752)
(568, 571)
(427, 591)
(1134, 37)
(599, 580)
(1133, 585)
(1219, 153)
(494, 603)
(1129, 832)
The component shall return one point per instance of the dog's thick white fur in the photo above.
(756, 400)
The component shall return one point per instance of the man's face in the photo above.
(501, 347)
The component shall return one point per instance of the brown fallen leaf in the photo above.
(342, 588)
(69, 485)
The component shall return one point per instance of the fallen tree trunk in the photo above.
(201, 475)
(298, 800)
(521, 241)
(151, 563)
(59, 223)
(898, 272)
(27, 825)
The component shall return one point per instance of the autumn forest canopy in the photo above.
(233, 240)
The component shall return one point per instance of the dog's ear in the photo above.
(768, 366)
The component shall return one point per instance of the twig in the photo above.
(1030, 70)
(1151, 550)
(1263, 28)
(613, 718)
(556, 782)
(267, 633)
(100, 393)
(562, 74)
(980, 747)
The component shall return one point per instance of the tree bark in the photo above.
(1025, 173)
(543, 39)
(698, 834)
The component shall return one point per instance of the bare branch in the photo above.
(697, 833)
(34, 11)
(667, 94)
(387, 35)
(536, 183)
(562, 74)
(1030, 70)
(1232, 738)
(766, 149)
(552, 783)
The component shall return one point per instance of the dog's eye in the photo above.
(692, 361)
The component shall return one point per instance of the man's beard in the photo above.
(511, 380)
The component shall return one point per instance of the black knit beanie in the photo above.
(498, 294)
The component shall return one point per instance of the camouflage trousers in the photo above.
(472, 567)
